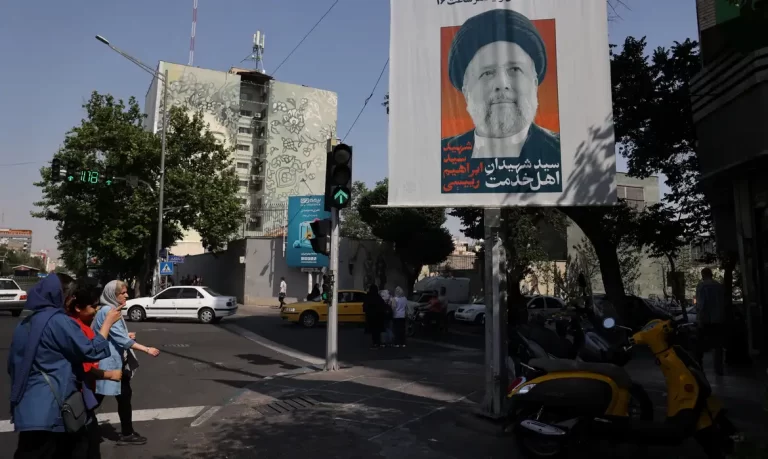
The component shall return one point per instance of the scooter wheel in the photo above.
(538, 445)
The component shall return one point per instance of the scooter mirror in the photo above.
(609, 323)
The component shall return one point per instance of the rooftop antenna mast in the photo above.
(257, 52)
(192, 37)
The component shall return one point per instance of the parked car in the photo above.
(544, 305)
(474, 312)
(311, 313)
(186, 302)
(12, 297)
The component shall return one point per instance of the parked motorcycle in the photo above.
(421, 321)
(562, 405)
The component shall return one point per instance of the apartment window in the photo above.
(242, 147)
(245, 130)
(634, 195)
(243, 165)
(244, 202)
(246, 113)
(243, 183)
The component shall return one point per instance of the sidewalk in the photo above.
(408, 408)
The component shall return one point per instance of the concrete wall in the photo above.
(257, 281)
(222, 272)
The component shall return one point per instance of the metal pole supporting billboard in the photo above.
(332, 342)
(496, 315)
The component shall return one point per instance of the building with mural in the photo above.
(277, 133)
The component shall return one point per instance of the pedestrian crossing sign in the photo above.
(166, 268)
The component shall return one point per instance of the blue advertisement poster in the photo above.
(303, 210)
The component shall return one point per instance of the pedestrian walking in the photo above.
(45, 364)
(389, 337)
(374, 309)
(711, 314)
(121, 357)
(283, 291)
(82, 310)
(400, 305)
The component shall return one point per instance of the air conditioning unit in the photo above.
(257, 116)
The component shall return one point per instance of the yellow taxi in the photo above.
(310, 313)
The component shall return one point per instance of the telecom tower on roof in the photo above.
(257, 53)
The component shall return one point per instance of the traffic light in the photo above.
(55, 170)
(321, 236)
(108, 178)
(338, 177)
(71, 171)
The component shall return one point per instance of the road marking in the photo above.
(260, 340)
(205, 416)
(159, 414)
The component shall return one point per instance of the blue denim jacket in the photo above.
(119, 343)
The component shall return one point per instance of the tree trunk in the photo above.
(410, 277)
(607, 254)
(144, 274)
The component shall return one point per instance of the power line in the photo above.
(305, 37)
(365, 104)
(22, 164)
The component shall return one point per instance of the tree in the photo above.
(417, 235)
(118, 223)
(522, 229)
(352, 225)
(10, 258)
(629, 263)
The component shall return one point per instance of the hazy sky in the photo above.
(51, 63)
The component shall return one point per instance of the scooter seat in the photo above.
(616, 373)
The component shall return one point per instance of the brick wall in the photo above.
(706, 13)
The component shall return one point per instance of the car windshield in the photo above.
(211, 292)
(7, 284)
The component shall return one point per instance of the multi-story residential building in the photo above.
(277, 133)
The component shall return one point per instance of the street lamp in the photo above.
(164, 79)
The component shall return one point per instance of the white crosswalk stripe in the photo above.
(158, 414)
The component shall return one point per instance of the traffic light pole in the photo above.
(332, 344)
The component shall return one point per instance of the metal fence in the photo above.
(266, 221)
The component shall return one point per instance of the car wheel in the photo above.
(480, 319)
(308, 319)
(136, 314)
(15, 313)
(206, 315)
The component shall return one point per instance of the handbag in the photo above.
(73, 412)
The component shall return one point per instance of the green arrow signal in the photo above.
(340, 196)
(70, 178)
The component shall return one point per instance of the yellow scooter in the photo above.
(565, 405)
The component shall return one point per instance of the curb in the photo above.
(260, 340)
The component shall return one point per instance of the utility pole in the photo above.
(156, 283)
(332, 343)
(496, 315)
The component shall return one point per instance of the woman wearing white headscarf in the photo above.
(399, 305)
(121, 346)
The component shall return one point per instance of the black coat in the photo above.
(374, 308)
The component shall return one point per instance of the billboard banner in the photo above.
(303, 210)
(500, 103)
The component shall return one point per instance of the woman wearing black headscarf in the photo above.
(373, 307)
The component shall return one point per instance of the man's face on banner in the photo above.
(501, 89)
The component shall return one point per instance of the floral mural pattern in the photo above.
(301, 120)
(216, 96)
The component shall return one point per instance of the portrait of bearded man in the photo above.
(497, 60)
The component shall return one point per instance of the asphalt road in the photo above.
(200, 366)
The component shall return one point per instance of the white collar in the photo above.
(505, 147)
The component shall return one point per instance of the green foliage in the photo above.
(588, 263)
(654, 127)
(352, 225)
(119, 223)
(522, 228)
(417, 235)
(10, 258)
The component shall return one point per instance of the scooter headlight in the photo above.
(525, 389)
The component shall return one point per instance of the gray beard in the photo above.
(504, 120)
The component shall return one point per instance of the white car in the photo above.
(471, 312)
(12, 297)
(187, 302)
(544, 305)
